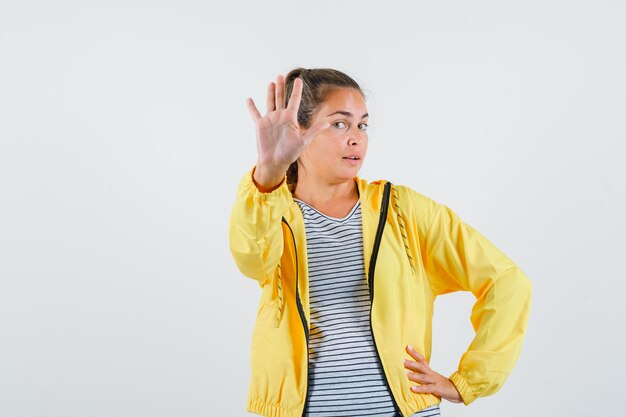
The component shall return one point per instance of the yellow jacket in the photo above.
(425, 250)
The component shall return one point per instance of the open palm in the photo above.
(280, 138)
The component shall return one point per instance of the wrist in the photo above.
(463, 387)
(268, 178)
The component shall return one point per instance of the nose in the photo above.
(355, 136)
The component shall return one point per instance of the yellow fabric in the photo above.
(426, 250)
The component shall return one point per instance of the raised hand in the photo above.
(432, 382)
(280, 138)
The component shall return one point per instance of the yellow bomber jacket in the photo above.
(424, 250)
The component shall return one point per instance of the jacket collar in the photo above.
(370, 194)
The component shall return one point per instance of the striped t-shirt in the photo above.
(345, 375)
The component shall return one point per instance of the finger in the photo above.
(270, 105)
(420, 378)
(254, 112)
(427, 389)
(416, 366)
(415, 354)
(296, 95)
(280, 92)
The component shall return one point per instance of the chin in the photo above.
(350, 173)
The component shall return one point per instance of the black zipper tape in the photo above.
(379, 234)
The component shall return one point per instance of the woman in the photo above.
(350, 269)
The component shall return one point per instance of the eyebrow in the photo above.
(347, 114)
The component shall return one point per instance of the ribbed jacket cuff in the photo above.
(463, 387)
(275, 193)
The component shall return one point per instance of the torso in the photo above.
(345, 377)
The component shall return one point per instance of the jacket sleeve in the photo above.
(255, 232)
(459, 258)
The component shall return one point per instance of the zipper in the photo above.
(302, 316)
(379, 235)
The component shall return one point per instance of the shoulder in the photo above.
(408, 195)
(410, 202)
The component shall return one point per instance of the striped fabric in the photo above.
(345, 375)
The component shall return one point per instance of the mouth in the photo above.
(352, 160)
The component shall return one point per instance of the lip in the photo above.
(352, 161)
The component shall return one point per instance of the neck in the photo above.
(318, 191)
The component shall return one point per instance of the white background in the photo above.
(124, 133)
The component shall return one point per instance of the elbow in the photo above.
(247, 259)
(524, 286)
(518, 282)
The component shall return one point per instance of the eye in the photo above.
(364, 126)
(336, 124)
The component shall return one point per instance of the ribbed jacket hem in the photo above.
(418, 403)
(270, 410)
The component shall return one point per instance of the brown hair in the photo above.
(317, 84)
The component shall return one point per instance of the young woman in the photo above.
(350, 269)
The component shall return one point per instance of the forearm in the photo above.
(255, 233)
(499, 317)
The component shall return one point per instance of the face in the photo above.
(336, 153)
